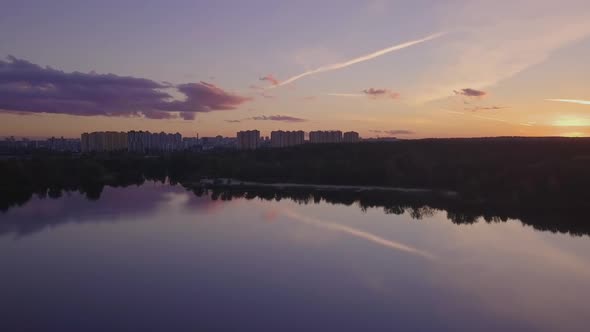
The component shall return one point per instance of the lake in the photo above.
(158, 257)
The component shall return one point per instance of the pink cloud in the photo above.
(270, 78)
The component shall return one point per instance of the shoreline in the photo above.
(225, 182)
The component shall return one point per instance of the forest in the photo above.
(532, 173)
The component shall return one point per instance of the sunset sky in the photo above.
(411, 69)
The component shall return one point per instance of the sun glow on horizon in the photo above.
(571, 121)
(574, 134)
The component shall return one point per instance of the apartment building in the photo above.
(248, 140)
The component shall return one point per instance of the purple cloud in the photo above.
(27, 87)
(375, 93)
(284, 118)
(471, 93)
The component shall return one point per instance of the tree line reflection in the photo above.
(417, 205)
(84, 202)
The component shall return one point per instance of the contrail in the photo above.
(356, 60)
(358, 233)
(573, 101)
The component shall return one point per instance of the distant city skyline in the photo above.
(146, 142)
(406, 68)
(196, 134)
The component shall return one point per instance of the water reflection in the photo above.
(43, 212)
(336, 227)
(130, 203)
(419, 206)
(158, 257)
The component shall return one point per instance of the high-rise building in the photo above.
(281, 139)
(139, 141)
(144, 141)
(62, 144)
(84, 139)
(319, 137)
(248, 140)
(103, 141)
(133, 141)
(351, 137)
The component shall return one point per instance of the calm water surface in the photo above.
(159, 258)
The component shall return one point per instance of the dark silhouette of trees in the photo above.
(495, 178)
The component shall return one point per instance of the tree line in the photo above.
(531, 173)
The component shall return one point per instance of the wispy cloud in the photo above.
(488, 118)
(479, 116)
(571, 121)
(336, 94)
(485, 108)
(375, 93)
(371, 92)
(572, 101)
(527, 124)
(27, 87)
(393, 132)
(490, 44)
(282, 118)
(360, 59)
(266, 95)
(358, 234)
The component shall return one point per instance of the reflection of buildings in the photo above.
(334, 136)
(281, 139)
(350, 137)
(248, 140)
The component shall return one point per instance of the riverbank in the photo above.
(234, 183)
